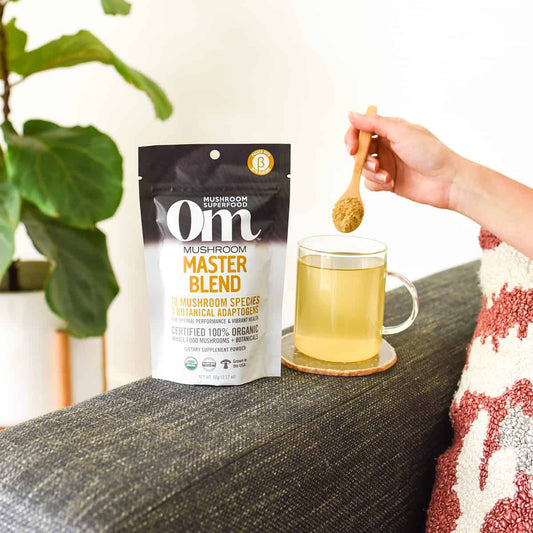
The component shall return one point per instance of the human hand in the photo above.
(408, 160)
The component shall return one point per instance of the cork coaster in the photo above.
(296, 360)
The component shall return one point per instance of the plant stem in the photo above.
(12, 271)
(4, 67)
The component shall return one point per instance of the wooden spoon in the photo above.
(348, 212)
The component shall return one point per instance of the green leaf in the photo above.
(16, 41)
(3, 171)
(74, 174)
(81, 285)
(9, 219)
(116, 7)
(84, 47)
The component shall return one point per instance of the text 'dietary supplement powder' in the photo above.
(215, 223)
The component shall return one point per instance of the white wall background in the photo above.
(288, 71)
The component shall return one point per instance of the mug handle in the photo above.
(388, 330)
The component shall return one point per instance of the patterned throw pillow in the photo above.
(484, 481)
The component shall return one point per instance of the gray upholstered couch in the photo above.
(301, 453)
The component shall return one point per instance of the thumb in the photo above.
(385, 127)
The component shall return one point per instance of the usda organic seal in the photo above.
(191, 363)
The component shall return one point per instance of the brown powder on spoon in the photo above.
(348, 213)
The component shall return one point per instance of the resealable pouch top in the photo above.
(215, 221)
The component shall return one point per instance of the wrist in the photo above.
(463, 185)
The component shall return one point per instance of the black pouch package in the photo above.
(215, 221)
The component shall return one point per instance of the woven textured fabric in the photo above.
(484, 480)
(300, 453)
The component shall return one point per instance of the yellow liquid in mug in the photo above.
(339, 307)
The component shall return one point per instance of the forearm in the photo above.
(499, 204)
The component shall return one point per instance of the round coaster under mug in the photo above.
(292, 358)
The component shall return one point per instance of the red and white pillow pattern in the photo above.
(484, 481)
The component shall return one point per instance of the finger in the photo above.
(373, 186)
(386, 127)
(380, 177)
(386, 159)
(371, 164)
(351, 140)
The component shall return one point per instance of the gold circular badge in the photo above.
(260, 162)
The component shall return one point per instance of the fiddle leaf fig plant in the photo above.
(116, 7)
(60, 181)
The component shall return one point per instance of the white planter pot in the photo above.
(27, 381)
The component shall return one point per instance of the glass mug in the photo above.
(340, 298)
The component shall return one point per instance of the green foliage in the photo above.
(116, 7)
(3, 170)
(60, 181)
(84, 47)
(82, 284)
(52, 165)
(17, 40)
(9, 219)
